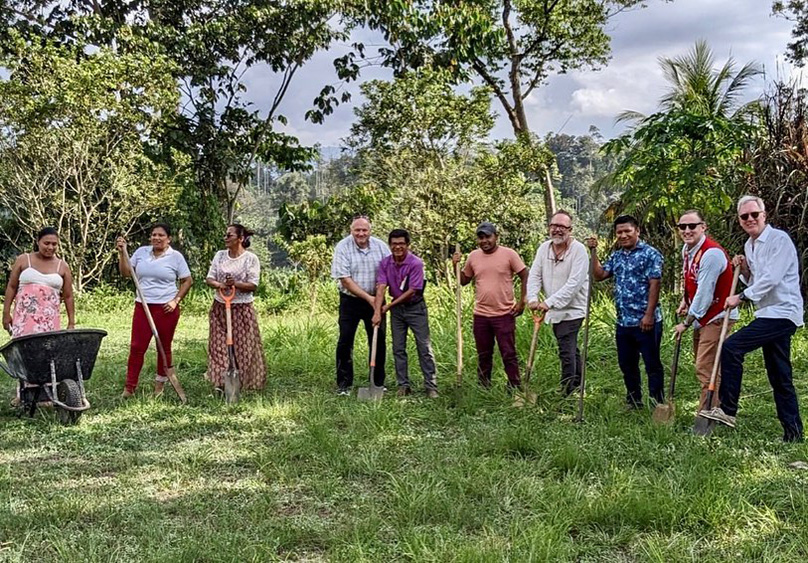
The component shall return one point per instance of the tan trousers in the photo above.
(705, 345)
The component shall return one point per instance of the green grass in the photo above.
(296, 473)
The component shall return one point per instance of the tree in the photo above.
(74, 148)
(797, 12)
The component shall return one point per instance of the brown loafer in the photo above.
(403, 391)
(127, 393)
(431, 394)
(159, 386)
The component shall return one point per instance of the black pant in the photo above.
(632, 342)
(566, 333)
(774, 337)
(351, 311)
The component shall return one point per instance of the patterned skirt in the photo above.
(246, 342)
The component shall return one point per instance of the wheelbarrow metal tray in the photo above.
(29, 357)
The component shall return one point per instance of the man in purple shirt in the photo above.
(403, 273)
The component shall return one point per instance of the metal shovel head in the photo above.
(703, 426)
(663, 413)
(232, 386)
(523, 399)
(370, 393)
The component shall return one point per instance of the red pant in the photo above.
(166, 323)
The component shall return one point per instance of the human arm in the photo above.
(534, 281)
(464, 277)
(11, 292)
(67, 297)
(598, 272)
(378, 304)
(123, 265)
(647, 322)
(185, 286)
(348, 283)
(519, 306)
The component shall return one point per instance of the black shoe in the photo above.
(633, 406)
(343, 391)
(794, 437)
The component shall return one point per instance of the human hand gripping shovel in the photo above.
(170, 373)
(232, 383)
(664, 413)
(372, 393)
(529, 397)
(704, 426)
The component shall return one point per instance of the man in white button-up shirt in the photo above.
(559, 271)
(770, 270)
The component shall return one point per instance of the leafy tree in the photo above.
(74, 148)
(797, 12)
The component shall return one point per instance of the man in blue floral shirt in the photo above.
(637, 271)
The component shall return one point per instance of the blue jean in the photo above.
(774, 337)
(632, 343)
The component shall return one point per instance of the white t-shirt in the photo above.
(158, 276)
(245, 268)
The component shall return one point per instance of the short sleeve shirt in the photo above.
(158, 275)
(633, 271)
(401, 277)
(359, 264)
(245, 269)
(493, 280)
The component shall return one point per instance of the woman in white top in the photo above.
(158, 268)
(237, 268)
(38, 282)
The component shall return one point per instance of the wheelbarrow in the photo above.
(51, 367)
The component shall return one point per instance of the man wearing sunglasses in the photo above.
(707, 274)
(559, 271)
(770, 270)
(637, 270)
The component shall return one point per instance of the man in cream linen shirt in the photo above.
(770, 270)
(559, 271)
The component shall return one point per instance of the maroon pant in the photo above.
(503, 329)
(141, 337)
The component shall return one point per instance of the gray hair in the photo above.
(747, 198)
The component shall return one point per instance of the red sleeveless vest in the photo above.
(722, 286)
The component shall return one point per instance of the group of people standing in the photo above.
(556, 287)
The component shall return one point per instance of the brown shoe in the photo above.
(403, 392)
(127, 393)
(158, 388)
(431, 394)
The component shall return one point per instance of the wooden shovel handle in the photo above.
(227, 296)
(723, 335)
(459, 306)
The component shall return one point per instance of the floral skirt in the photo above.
(246, 343)
(36, 309)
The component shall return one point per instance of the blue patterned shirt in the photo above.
(633, 270)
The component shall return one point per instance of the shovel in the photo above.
(528, 396)
(459, 322)
(232, 383)
(170, 373)
(372, 393)
(584, 352)
(665, 412)
(704, 426)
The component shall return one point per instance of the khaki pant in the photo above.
(705, 345)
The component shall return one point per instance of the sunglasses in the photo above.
(691, 226)
(561, 227)
(753, 214)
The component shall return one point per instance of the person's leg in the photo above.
(138, 344)
(650, 343)
(484, 341)
(749, 338)
(381, 348)
(628, 358)
(566, 333)
(418, 319)
(505, 333)
(398, 330)
(348, 322)
(166, 324)
(217, 345)
(705, 348)
(777, 357)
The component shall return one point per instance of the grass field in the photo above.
(297, 473)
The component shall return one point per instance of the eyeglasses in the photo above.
(561, 227)
(691, 226)
(753, 214)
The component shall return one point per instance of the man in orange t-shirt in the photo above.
(492, 267)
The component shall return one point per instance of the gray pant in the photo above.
(416, 319)
(566, 333)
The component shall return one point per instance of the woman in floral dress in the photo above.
(39, 282)
(235, 267)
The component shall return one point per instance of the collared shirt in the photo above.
(774, 286)
(711, 265)
(359, 264)
(563, 280)
(158, 275)
(633, 271)
(401, 277)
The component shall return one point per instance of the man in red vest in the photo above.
(707, 272)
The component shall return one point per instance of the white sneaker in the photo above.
(717, 414)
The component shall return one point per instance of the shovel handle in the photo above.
(227, 297)
(459, 306)
(373, 348)
(722, 336)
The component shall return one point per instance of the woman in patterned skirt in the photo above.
(39, 282)
(235, 267)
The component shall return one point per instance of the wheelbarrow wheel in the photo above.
(68, 393)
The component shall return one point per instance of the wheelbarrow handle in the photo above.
(8, 370)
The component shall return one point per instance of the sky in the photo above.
(742, 29)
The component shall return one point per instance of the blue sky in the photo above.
(743, 29)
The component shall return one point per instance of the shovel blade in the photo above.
(525, 399)
(370, 393)
(664, 413)
(232, 386)
(703, 426)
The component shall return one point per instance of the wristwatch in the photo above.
(743, 296)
